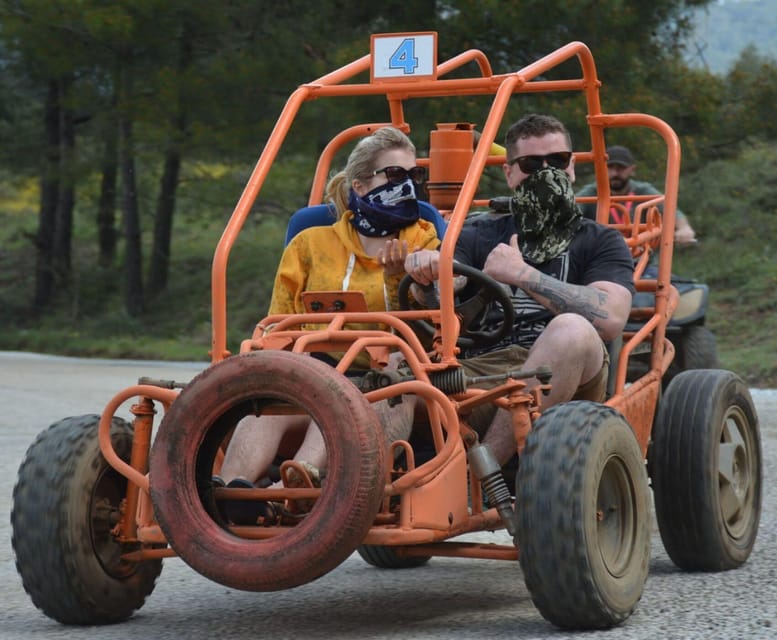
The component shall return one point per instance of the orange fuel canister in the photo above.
(451, 147)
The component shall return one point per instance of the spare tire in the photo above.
(196, 427)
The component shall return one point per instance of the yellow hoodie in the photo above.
(331, 258)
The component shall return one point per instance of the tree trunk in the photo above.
(106, 211)
(63, 231)
(165, 210)
(133, 281)
(44, 240)
(163, 224)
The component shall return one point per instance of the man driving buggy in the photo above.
(570, 279)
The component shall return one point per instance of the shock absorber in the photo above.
(486, 469)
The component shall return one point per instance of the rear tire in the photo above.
(698, 347)
(583, 516)
(195, 427)
(695, 348)
(65, 502)
(385, 557)
(706, 469)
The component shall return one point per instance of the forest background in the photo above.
(129, 129)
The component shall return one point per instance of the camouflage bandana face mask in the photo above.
(546, 215)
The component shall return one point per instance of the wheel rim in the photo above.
(616, 513)
(736, 471)
(104, 515)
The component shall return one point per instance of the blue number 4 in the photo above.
(404, 57)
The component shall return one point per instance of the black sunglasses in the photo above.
(397, 175)
(532, 164)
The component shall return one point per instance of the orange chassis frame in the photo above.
(434, 503)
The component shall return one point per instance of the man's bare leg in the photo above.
(573, 350)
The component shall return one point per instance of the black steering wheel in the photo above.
(470, 309)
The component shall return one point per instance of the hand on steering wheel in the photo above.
(471, 309)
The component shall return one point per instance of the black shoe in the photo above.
(246, 512)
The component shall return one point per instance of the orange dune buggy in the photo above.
(120, 497)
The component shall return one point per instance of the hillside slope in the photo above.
(724, 29)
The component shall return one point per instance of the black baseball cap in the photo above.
(619, 155)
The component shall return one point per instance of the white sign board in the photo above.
(404, 56)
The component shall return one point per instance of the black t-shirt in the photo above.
(596, 253)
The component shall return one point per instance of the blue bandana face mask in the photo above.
(384, 210)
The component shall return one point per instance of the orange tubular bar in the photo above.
(501, 86)
(165, 396)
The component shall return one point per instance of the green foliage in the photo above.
(732, 204)
(748, 106)
(90, 320)
(211, 79)
(733, 207)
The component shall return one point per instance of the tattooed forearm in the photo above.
(561, 297)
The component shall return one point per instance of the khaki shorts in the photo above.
(510, 359)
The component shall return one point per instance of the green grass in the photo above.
(91, 320)
(732, 205)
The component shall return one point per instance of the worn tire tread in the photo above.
(54, 556)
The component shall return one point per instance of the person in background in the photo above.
(621, 168)
(364, 250)
(571, 280)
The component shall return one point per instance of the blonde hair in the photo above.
(361, 164)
